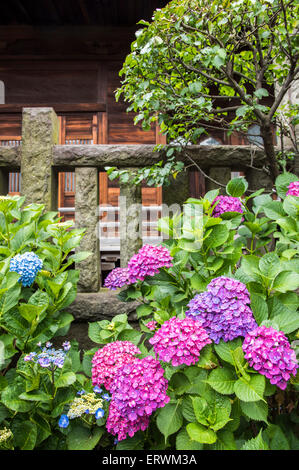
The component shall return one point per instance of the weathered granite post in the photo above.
(86, 213)
(258, 179)
(178, 191)
(130, 217)
(40, 131)
(222, 174)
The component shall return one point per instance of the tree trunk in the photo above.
(267, 135)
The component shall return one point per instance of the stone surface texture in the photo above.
(86, 207)
(40, 131)
(100, 305)
(130, 205)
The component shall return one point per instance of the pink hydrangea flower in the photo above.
(180, 341)
(151, 325)
(139, 388)
(226, 204)
(108, 360)
(117, 278)
(293, 189)
(268, 351)
(148, 261)
(223, 309)
(121, 427)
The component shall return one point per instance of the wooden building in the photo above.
(67, 54)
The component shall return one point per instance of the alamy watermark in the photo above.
(2, 354)
(130, 222)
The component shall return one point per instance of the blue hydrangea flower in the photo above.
(63, 421)
(48, 357)
(106, 397)
(99, 413)
(27, 265)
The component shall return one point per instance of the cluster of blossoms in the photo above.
(146, 262)
(293, 189)
(151, 325)
(139, 388)
(108, 360)
(121, 427)
(226, 204)
(117, 278)
(137, 385)
(222, 310)
(49, 357)
(5, 434)
(86, 403)
(180, 341)
(268, 351)
(27, 265)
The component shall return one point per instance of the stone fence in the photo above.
(40, 159)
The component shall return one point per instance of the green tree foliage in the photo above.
(201, 66)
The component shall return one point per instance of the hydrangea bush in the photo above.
(213, 363)
(218, 318)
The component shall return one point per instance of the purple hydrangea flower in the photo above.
(268, 351)
(226, 204)
(222, 310)
(148, 261)
(27, 265)
(66, 345)
(119, 426)
(293, 189)
(139, 388)
(117, 278)
(107, 361)
(180, 341)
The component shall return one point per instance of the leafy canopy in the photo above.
(200, 66)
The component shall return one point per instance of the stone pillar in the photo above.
(86, 213)
(130, 216)
(258, 179)
(222, 174)
(40, 131)
(178, 191)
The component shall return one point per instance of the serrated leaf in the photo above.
(250, 391)
(169, 419)
(222, 380)
(257, 410)
(201, 434)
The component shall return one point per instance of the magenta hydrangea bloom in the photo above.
(148, 261)
(268, 351)
(226, 204)
(180, 341)
(117, 278)
(223, 310)
(108, 360)
(139, 388)
(293, 189)
(151, 325)
(121, 427)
